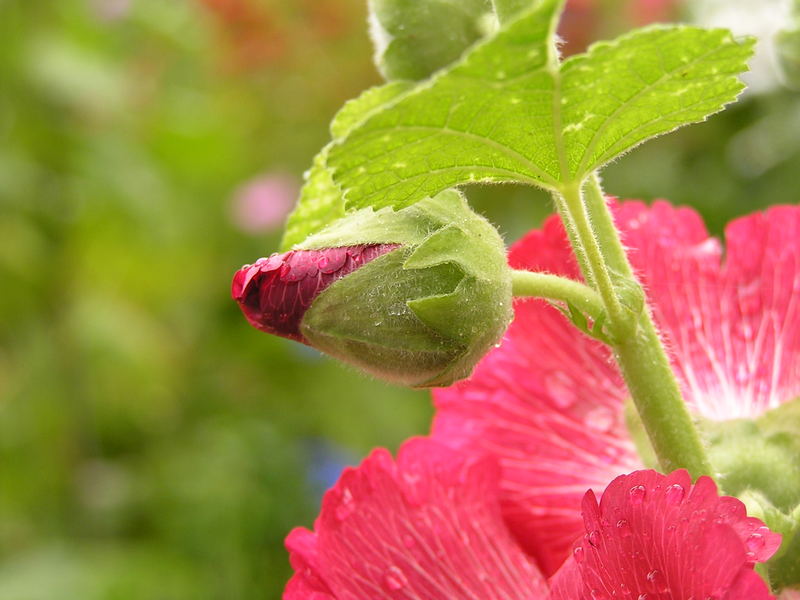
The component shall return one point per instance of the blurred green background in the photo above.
(153, 445)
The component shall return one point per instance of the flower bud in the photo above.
(415, 296)
(414, 38)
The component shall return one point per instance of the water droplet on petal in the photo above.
(658, 581)
(624, 528)
(643, 597)
(599, 595)
(578, 554)
(600, 419)
(674, 493)
(594, 538)
(755, 542)
(409, 541)
(346, 505)
(394, 579)
(561, 388)
(637, 494)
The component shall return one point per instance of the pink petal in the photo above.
(426, 526)
(657, 536)
(733, 328)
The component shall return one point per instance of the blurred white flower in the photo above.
(762, 19)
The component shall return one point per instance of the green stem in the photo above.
(605, 228)
(635, 341)
(658, 400)
(554, 287)
(598, 270)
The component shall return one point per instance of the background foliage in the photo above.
(152, 445)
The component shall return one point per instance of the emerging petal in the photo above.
(274, 293)
(426, 526)
(657, 536)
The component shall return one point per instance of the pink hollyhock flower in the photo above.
(428, 527)
(549, 403)
(274, 293)
(655, 537)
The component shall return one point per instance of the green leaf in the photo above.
(356, 110)
(642, 85)
(473, 122)
(508, 9)
(509, 111)
(321, 200)
(414, 38)
(320, 203)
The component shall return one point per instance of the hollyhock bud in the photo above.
(415, 296)
(413, 39)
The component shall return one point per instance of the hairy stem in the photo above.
(635, 340)
(590, 248)
(554, 287)
(658, 400)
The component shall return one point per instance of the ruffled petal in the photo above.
(427, 526)
(656, 536)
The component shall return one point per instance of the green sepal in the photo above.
(761, 455)
(424, 314)
(389, 343)
(414, 38)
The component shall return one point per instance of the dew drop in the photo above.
(394, 579)
(561, 388)
(409, 541)
(674, 493)
(755, 542)
(578, 554)
(594, 538)
(599, 595)
(624, 528)
(599, 419)
(637, 494)
(643, 597)
(658, 581)
(346, 505)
